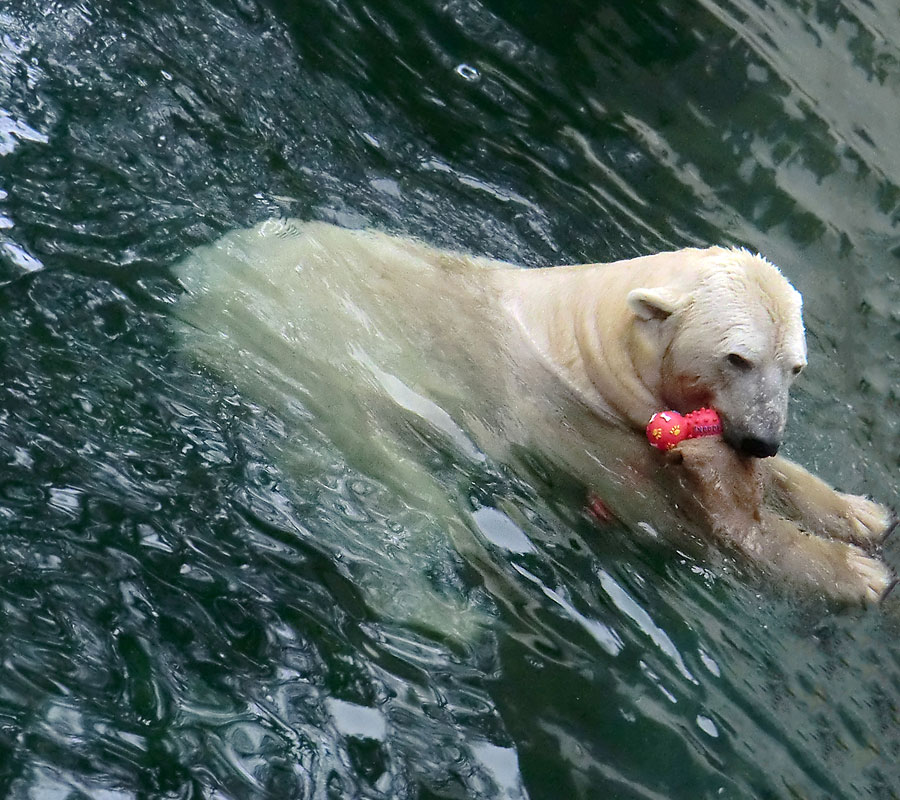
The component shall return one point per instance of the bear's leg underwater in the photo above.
(742, 506)
(816, 506)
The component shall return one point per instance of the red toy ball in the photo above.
(667, 428)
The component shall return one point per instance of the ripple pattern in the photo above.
(185, 613)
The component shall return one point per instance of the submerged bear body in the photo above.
(369, 331)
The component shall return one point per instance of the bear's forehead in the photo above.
(746, 304)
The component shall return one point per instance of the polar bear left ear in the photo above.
(653, 303)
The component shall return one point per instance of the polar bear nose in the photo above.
(757, 447)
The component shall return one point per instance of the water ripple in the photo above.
(204, 597)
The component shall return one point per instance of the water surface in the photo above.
(184, 617)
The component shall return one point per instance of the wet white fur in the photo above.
(368, 330)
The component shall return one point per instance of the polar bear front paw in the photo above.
(870, 576)
(870, 522)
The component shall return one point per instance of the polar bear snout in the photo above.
(753, 406)
(754, 441)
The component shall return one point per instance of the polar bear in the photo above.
(569, 361)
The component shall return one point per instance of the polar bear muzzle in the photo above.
(755, 437)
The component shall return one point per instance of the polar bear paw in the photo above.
(873, 578)
(870, 522)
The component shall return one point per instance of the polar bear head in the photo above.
(731, 337)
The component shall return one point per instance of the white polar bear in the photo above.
(570, 361)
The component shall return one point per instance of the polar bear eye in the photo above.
(797, 369)
(738, 361)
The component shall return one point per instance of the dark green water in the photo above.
(179, 618)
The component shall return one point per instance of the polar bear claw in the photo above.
(870, 521)
(874, 577)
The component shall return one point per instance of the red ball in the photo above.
(666, 429)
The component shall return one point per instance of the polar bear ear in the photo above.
(653, 303)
